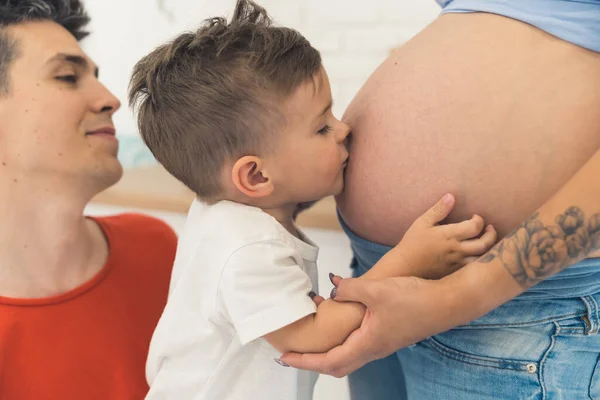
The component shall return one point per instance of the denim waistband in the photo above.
(365, 252)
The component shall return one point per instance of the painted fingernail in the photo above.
(278, 361)
(312, 295)
(331, 275)
(333, 293)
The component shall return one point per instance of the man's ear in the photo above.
(250, 178)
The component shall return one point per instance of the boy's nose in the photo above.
(344, 132)
(348, 140)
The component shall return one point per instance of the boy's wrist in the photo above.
(395, 263)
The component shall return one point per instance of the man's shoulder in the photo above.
(139, 225)
(133, 221)
(136, 237)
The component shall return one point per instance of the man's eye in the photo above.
(326, 129)
(67, 78)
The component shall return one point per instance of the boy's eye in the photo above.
(67, 78)
(326, 129)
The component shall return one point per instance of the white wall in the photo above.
(354, 36)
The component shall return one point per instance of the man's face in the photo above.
(56, 119)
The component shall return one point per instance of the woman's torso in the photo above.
(493, 110)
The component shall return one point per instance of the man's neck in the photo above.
(47, 247)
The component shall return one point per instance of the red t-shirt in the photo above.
(91, 342)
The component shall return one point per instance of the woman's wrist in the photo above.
(476, 289)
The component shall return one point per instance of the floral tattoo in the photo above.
(535, 251)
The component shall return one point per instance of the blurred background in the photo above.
(353, 36)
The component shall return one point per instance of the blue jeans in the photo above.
(380, 379)
(529, 348)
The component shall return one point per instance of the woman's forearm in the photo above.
(560, 233)
(563, 231)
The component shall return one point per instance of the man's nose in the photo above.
(106, 102)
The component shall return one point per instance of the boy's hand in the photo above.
(434, 251)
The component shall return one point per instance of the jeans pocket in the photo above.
(530, 366)
(470, 365)
(511, 348)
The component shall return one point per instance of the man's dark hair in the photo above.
(68, 13)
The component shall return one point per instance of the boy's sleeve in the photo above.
(263, 289)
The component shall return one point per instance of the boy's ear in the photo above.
(250, 178)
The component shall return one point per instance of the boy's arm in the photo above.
(424, 244)
(319, 332)
(333, 322)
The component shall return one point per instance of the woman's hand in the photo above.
(399, 310)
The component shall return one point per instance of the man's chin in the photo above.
(109, 176)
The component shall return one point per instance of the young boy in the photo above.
(241, 113)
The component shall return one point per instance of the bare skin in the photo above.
(52, 165)
(508, 120)
(448, 113)
(545, 244)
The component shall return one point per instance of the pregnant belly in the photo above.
(501, 119)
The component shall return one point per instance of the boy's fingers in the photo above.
(477, 247)
(465, 230)
(468, 260)
(439, 211)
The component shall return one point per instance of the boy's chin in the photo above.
(332, 191)
(339, 189)
(337, 192)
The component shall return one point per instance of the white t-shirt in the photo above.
(238, 275)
